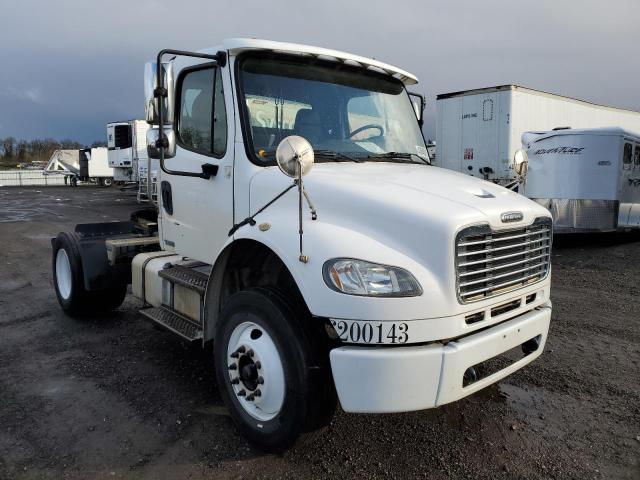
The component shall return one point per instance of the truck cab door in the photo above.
(196, 214)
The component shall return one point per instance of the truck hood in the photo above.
(436, 194)
(406, 215)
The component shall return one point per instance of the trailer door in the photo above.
(624, 188)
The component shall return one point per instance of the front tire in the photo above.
(68, 281)
(264, 366)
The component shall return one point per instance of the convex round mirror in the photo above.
(520, 162)
(294, 156)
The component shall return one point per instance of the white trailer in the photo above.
(304, 302)
(589, 179)
(127, 144)
(478, 131)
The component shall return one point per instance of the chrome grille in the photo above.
(489, 263)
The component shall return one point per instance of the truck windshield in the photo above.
(346, 113)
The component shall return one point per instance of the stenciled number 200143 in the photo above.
(357, 331)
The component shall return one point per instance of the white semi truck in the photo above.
(478, 131)
(372, 278)
(588, 178)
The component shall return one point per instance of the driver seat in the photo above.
(308, 125)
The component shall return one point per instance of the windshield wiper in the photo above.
(333, 155)
(397, 156)
(326, 154)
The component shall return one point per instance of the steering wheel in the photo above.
(367, 127)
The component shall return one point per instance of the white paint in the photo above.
(375, 380)
(595, 172)
(490, 122)
(403, 215)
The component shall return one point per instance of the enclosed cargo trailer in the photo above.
(478, 131)
(589, 179)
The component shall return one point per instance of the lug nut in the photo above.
(241, 349)
(251, 397)
(260, 380)
(257, 393)
(258, 364)
(242, 393)
(235, 355)
(233, 366)
(235, 381)
(250, 353)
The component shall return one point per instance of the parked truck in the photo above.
(588, 178)
(301, 231)
(478, 131)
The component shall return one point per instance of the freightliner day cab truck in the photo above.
(301, 231)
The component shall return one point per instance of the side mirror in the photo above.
(520, 162)
(153, 147)
(151, 103)
(294, 156)
(418, 102)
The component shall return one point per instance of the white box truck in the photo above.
(589, 179)
(401, 287)
(478, 131)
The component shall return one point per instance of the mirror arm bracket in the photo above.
(161, 91)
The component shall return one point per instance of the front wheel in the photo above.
(264, 370)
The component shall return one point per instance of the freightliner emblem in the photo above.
(508, 217)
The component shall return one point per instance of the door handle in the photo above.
(208, 170)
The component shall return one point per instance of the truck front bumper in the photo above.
(401, 379)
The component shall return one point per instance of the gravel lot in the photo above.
(114, 397)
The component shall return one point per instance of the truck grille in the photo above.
(489, 263)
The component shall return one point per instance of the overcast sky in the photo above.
(69, 67)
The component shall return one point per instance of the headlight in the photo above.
(357, 277)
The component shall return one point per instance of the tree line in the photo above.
(13, 151)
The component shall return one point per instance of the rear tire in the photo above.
(68, 281)
(278, 363)
(107, 182)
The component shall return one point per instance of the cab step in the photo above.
(187, 277)
(172, 320)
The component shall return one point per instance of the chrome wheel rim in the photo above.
(255, 371)
(63, 274)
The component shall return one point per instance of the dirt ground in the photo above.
(112, 397)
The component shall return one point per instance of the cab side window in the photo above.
(626, 158)
(636, 155)
(202, 119)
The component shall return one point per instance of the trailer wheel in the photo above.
(107, 182)
(68, 281)
(263, 365)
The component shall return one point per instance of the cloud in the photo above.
(92, 57)
(29, 94)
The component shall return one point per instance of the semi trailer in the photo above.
(301, 232)
(589, 179)
(478, 131)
